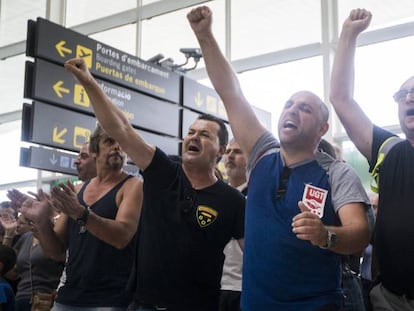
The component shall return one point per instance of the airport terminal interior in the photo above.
(277, 47)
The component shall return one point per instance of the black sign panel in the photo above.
(65, 129)
(202, 98)
(58, 44)
(48, 160)
(52, 83)
(57, 161)
(60, 128)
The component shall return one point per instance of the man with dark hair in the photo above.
(97, 227)
(303, 208)
(222, 133)
(188, 215)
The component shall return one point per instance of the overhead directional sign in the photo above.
(48, 160)
(60, 128)
(57, 161)
(202, 98)
(51, 83)
(65, 129)
(55, 43)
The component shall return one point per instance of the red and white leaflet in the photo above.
(314, 198)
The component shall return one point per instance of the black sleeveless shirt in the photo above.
(97, 272)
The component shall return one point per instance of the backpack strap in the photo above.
(382, 152)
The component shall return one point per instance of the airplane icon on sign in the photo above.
(85, 53)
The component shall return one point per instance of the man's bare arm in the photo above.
(243, 121)
(112, 120)
(117, 232)
(358, 126)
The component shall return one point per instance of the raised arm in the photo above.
(244, 124)
(358, 126)
(112, 120)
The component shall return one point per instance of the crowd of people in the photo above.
(180, 238)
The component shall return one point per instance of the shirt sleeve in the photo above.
(161, 171)
(265, 144)
(346, 187)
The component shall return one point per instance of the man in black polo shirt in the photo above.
(188, 215)
(394, 231)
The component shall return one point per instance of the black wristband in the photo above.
(84, 218)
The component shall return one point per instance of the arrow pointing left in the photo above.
(59, 89)
(58, 136)
(60, 47)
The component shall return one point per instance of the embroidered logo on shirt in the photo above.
(206, 215)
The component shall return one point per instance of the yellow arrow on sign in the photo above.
(198, 100)
(59, 89)
(57, 136)
(61, 49)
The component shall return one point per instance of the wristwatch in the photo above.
(330, 240)
(84, 218)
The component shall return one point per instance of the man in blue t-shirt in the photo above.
(303, 208)
(394, 232)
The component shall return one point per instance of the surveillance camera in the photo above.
(156, 58)
(191, 52)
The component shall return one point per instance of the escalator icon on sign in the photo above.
(85, 53)
(80, 136)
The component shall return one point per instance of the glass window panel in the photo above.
(123, 38)
(354, 158)
(168, 33)
(269, 88)
(11, 83)
(81, 11)
(13, 18)
(385, 12)
(265, 26)
(9, 161)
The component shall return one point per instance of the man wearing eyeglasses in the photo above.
(188, 215)
(394, 230)
(298, 219)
